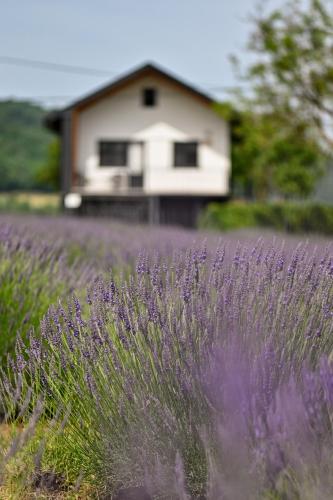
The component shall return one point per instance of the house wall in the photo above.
(177, 117)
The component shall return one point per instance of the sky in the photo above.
(191, 38)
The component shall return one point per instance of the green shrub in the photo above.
(282, 216)
(228, 216)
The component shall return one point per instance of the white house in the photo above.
(148, 147)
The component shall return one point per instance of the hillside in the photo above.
(23, 144)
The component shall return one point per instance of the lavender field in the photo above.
(142, 363)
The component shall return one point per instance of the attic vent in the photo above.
(149, 97)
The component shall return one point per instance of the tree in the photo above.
(281, 132)
(23, 144)
(48, 176)
(271, 156)
(294, 67)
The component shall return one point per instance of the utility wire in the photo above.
(82, 70)
(65, 68)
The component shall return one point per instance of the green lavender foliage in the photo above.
(33, 275)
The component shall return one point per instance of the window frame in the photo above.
(181, 164)
(109, 164)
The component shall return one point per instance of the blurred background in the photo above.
(268, 67)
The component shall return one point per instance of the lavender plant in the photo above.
(33, 275)
(208, 375)
(109, 244)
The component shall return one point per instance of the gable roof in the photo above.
(53, 118)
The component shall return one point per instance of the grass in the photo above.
(20, 470)
(29, 202)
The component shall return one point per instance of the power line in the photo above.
(68, 68)
(65, 68)
(40, 97)
(82, 70)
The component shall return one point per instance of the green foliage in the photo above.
(281, 126)
(23, 145)
(291, 217)
(49, 173)
(294, 68)
(271, 155)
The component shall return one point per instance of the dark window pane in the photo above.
(136, 181)
(149, 97)
(113, 153)
(186, 154)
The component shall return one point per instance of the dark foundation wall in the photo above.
(169, 210)
(182, 211)
(124, 209)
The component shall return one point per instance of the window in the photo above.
(186, 154)
(136, 181)
(113, 153)
(149, 97)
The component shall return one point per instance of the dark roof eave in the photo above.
(53, 120)
(132, 76)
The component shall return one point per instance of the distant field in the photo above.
(29, 202)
